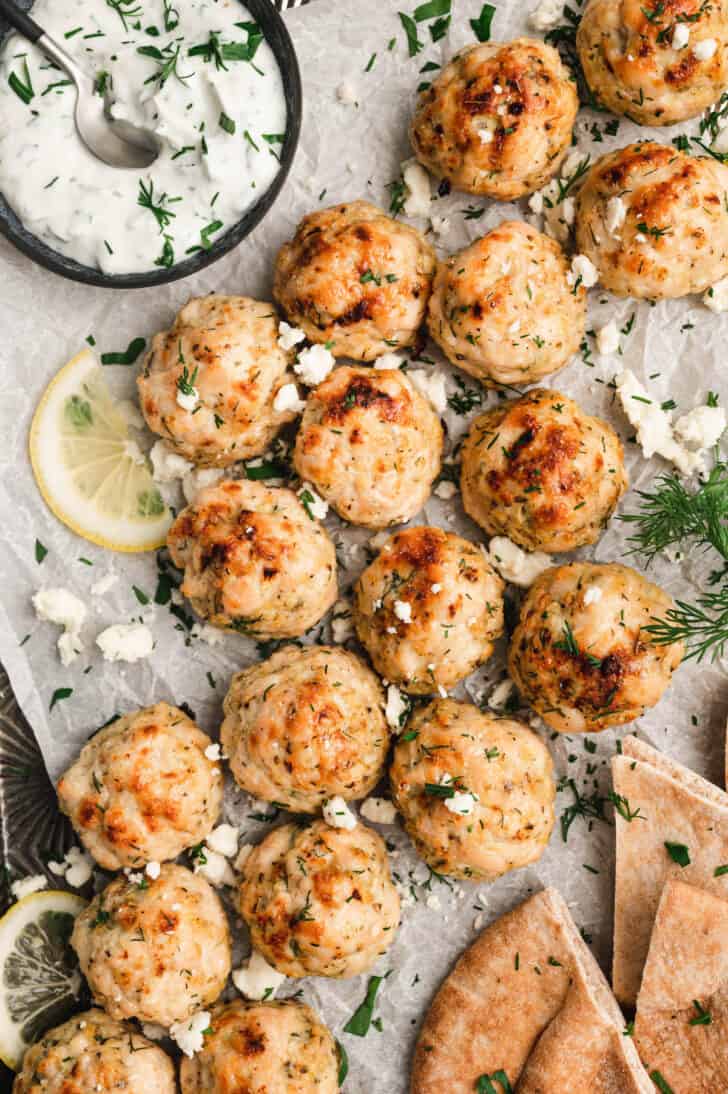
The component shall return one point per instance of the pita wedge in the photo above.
(681, 1028)
(527, 1003)
(675, 806)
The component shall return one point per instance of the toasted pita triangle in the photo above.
(687, 961)
(528, 999)
(677, 806)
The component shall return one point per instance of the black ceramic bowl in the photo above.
(277, 37)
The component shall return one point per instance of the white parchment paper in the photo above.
(348, 150)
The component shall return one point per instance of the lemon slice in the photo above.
(40, 982)
(89, 471)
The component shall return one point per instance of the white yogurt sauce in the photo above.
(221, 120)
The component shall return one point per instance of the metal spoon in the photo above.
(116, 142)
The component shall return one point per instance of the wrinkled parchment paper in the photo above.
(347, 151)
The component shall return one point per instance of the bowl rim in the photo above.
(265, 13)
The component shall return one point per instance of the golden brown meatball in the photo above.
(263, 1048)
(304, 726)
(581, 654)
(225, 350)
(157, 950)
(355, 279)
(497, 120)
(428, 609)
(658, 63)
(142, 789)
(476, 792)
(318, 900)
(92, 1052)
(542, 472)
(654, 221)
(370, 444)
(503, 309)
(254, 560)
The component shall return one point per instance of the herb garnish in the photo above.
(678, 852)
(22, 88)
(128, 357)
(361, 1019)
(702, 1017)
(485, 1084)
(482, 25)
(157, 206)
(40, 551)
(58, 695)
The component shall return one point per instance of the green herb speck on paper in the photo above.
(361, 1019)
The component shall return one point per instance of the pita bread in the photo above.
(528, 998)
(687, 961)
(675, 805)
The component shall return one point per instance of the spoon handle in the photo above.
(20, 20)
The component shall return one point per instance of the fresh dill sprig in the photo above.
(703, 626)
(158, 206)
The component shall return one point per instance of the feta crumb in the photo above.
(432, 386)
(342, 625)
(403, 610)
(417, 184)
(312, 502)
(76, 867)
(212, 752)
(346, 93)
(215, 868)
(461, 803)
(378, 810)
(24, 886)
(608, 339)
(445, 490)
(190, 1034)
(153, 1032)
(442, 691)
(126, 642)
(337, 813)
(257, 979)
(397, 706)
(515, 565)
(704, 50)
(680, 36)
(224, 840)
(314, 364)
(287, 399)
(197, 480)
(486, 131)
(440, 225)
(389, 360)
(152, 870)
(654, 425)
(102, 586)
(568, 208)
(166, 464)
(592, 595)
(213, 636)
(716, 298)
(702, 427)
(583, 271)
(535, 203)
(615, 216)
(289, 336)
(436, 588)
(59, 606)
(546, 15)
(501, 694)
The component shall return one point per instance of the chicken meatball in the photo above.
(428, 609)
(476, 792)
(355, 279)
(582, 654)
(319, 901)
(263, 1048)
(154, 949)
(304, 726)
(142, 789)
(542, 472)
(658, 63)
(503, 309)
(254, 560)
(92, 1052)
(654, 221)
(497, 120)
(370, 444)
(209, 383)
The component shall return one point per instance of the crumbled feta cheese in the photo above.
(403, 610)
(77, 867)
(640, 238)
(445, 490)
(190, 1034)
(289, 336)
(716, 298)
(486, 129)
(215, 868)
(702, 427)
(397, 706)
(24, 886)
(704, 50)
(378, 810)
(432, 386)
(197, 480)
(501, 694)
(653, 424)
(546, 15)
(314, 364)
(287, 399)
(573, 162)
(166, 464)
(583, 272)
(346, 93)
(256, 979)
(213, 636)
(102, 586)
(152, 870)
(440, 225)
(680, 36)
(442, 691)
(568, 208)
(535, 203)
(337, 813)
(462, 803)
(188, 400)
(417, 185)
(342, 625)
(608, 339)
(436, 587)
(312, 502)
(515, 565)
(61, 607)
(592, 595)
(615, 216)
(153, 1032)
(126, 642)
(389, 360)
(224, 840)
(213, 752)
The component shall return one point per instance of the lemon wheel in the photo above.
(92, 475)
